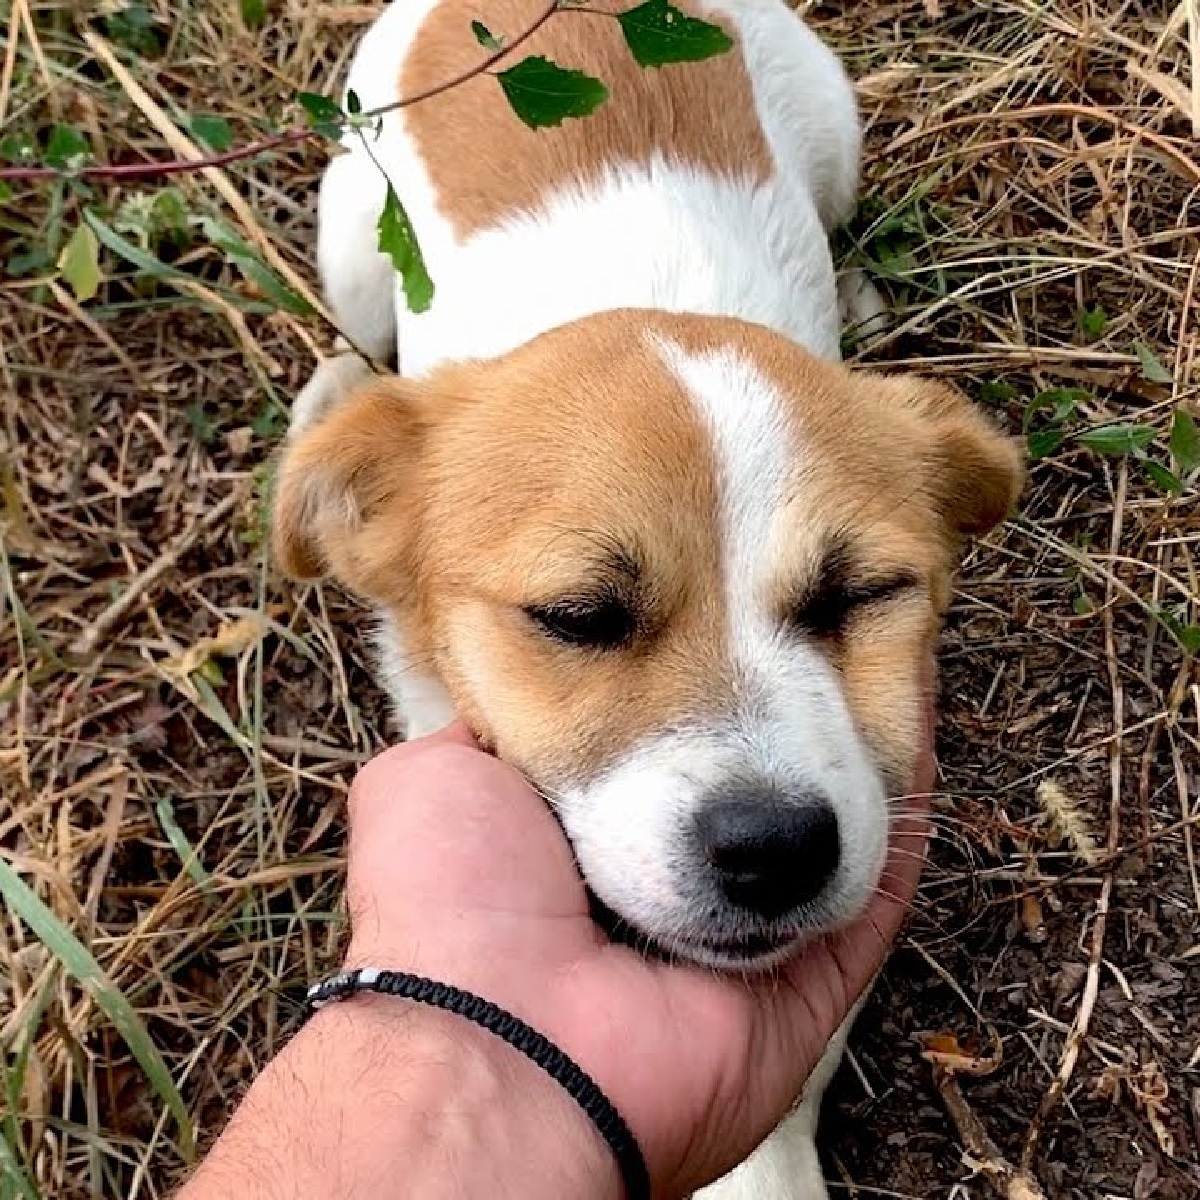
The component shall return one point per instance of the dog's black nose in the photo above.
(770, 854)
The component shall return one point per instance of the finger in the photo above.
(376, 780)
(438, 825)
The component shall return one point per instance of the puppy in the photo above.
(622, 509)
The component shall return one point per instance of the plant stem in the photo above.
(291, 137)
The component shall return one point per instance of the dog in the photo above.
(620, 506)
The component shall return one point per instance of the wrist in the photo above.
(477, 1117)
(382, 1097)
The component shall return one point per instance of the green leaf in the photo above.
(1152, 369)
(253, 268)
(1163, 479)
(398, 240)
(542, 93)
(210, 671)
(1188, 636)
(79, 264)
(658, 33)
(67, 149)
(325, 116)
(215, 132)
(5, 191)
(158, 219)
(270, 423)
(484, 36)
(1092, 322)
(12, 1173)
(1185, 441)
(1117, 439)
(204, 428)
(18, 148)
(1082, 605)
(75, 957)
(32, 261)
(353, 103)
(1060, 402)
(997, 391)
(126, 250)
(254, 13)
(1044, 442)
(135, 28)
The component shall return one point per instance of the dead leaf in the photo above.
(943, 1050)
(36, 1094)
(1152, 1090)
(1068, 981)
(232, 638)
(239, 441)
(1146, 1182)
(1033, 920)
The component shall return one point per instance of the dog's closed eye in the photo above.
(596, 623)
(826, 608)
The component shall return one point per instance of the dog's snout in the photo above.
(770, 854)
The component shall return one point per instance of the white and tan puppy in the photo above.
(622, 509)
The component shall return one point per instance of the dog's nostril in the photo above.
(770, 856)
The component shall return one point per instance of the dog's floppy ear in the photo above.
(354, 465)
(975, 471)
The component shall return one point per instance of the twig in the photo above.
(290, 137)
(97, 330)
(1013, 1183)
(116, 612)
(175, 166)
(1091, 988)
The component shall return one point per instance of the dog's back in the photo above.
(700, 187)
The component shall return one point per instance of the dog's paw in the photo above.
(333, 380)
(861, 307)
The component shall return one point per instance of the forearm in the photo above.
(376, 1098)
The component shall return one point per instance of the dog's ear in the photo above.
(975, 471)
(346, 487)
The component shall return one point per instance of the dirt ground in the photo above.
(178, 727)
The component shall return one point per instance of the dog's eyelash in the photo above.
(825, 610)
(600, 624)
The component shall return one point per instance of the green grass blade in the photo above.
(189, 856)
(15, 1177)
(13, 1180)
(77, 959)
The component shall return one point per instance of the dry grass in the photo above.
(179, 727)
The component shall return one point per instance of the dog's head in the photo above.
(686, 577)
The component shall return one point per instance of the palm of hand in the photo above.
(459, 873)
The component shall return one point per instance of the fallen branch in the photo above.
(1012, 1183)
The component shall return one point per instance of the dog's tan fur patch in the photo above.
(485, 163)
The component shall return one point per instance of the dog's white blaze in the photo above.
(755, 452)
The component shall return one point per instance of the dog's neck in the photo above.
(665, 239)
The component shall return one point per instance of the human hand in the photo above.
(458, 872)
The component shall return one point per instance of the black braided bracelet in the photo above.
(572, 1078)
